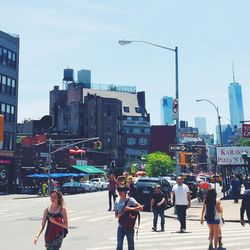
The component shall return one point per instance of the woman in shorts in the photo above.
(212, 209)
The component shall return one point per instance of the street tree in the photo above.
(159, 163)
(244, 142)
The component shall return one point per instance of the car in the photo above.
(216, 178)
(170, 179)
(89, 186)
(100, 183)
(72, 188)
(192, 183)
(145, 188)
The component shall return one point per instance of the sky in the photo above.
(84, 34)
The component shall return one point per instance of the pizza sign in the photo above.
(246, 130)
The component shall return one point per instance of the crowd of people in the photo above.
(127, 209)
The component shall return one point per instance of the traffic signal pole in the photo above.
(50, 153)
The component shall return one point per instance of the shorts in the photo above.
(216, 222)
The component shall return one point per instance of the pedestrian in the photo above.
(236, 186)
(245, 206)
(180, 196)
(124, 205)
(55, 216)
(212, 209)
(112, 190)
(131, 187)
(157, 205)
(44, 188)
(247, 182)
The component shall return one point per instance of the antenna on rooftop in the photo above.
(233, 72)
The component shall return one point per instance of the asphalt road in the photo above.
(92, 227)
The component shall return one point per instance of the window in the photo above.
(126, 109)
(137, 109)
(3, 108)
(131, 141)
(143, 141)
(4, 81)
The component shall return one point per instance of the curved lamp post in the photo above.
(220, 134)
(218, 116)
(125, 42)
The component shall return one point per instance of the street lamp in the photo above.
(125, 42)
(220, 134)
(218, 116)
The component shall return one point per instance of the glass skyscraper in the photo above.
(201, 124)
(235, 104)
(166, 110)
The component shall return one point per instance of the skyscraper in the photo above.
(166, 110)
(201, 124)
(235, 103)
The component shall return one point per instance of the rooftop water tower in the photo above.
(68, 77)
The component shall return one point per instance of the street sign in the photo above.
(177, 147)
(44, 154)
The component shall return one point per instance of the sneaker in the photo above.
(154, 229)
(162, 230)
(210, 247)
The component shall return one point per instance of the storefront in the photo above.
(6, 174)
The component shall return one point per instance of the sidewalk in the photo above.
(231, 211)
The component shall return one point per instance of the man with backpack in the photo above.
(127, 211)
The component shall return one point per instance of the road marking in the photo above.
(78, 218)
(101, 218)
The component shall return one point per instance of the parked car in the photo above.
(89, 186)
(72, 188)
(100, 183)
(145, 188)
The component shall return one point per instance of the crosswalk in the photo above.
(92, 227)
(196, 238)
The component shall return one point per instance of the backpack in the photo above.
(128, 220)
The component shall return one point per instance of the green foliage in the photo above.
(159, 163)
(133, 169)
(244, 142)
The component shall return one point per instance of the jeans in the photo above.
(181, 213)
(121, 232)
(160, 212)
(110, 199)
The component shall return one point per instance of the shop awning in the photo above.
(88, 169)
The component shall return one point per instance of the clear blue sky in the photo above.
(84, 33)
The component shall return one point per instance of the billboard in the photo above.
(231, 155)
(246, 130)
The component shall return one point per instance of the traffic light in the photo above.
(98, 145)
(191, 159)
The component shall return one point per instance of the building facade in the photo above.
(9, 68)
(167, 110)
(235, 104)
(116, 114)
(201, 124)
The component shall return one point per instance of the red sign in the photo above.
(246, 130)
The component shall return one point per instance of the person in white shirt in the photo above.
(180, 197)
